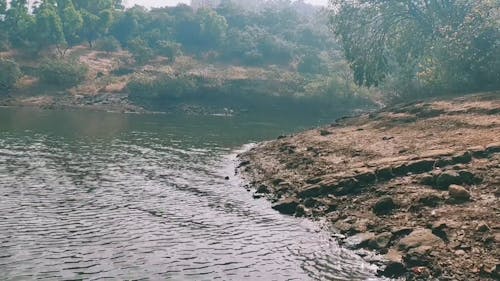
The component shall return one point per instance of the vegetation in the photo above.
(10, 73)
(421, 45)
(62, 72)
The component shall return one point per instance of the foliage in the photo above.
(440, 45)
(61, 72)
(140, 50)
(108, 44)
(168, 49)
(10, 73)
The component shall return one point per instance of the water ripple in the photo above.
(145, 208)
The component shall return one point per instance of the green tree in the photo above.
(72, 21)
(49, 27)
(140, 50)
(10, 73)
(19, 23)
(431, 41)
(213, 28)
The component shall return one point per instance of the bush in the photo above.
(10, 73)
(140, 50)
(108, 44)
(162, 88)
(61, 72)
(168, 49)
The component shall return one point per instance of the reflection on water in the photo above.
(91, 196)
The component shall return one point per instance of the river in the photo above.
(94, 196)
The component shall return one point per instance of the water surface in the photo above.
(86, 195)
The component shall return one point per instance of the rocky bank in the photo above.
(415, 184)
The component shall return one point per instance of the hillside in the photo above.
(416, 183)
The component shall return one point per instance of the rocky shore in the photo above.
(416, 185)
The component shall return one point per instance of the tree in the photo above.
(140, 50)
(213, 28)
(49, 27)
(418, 39)
(10, 73)
(72, 21)
(19, 23)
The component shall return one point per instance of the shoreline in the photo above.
(417, 184)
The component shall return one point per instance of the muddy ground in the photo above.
(413, 187)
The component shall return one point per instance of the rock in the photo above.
(419, 238)
(384, 205)
(226, 178)
(430, 200)
(342, 226)
(458, 192)
(460, 252)
(483, 227)
(381, 241)
(420, 166)
(384, 174)
(445, 179)
(262, 189)
(359, 240)
(395, 266)
(300, 211)
(287, 206)
(310, 202)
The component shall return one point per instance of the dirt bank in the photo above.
(416, 183)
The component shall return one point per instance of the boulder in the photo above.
(262, 189)
(287, 206)
(445, 179)
(458, 192)
(384, 205)
(419, 238)
(395, 266)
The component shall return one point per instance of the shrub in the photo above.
(140, 50)
(10, 73)
(108, 44)
(168, 49)
(62, 73)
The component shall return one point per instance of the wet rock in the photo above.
(384, 205)
(419, 238)
(458, 192)
(445, 179)
(287, 206)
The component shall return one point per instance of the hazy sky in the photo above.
(159, 3)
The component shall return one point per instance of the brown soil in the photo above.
(417, 183)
